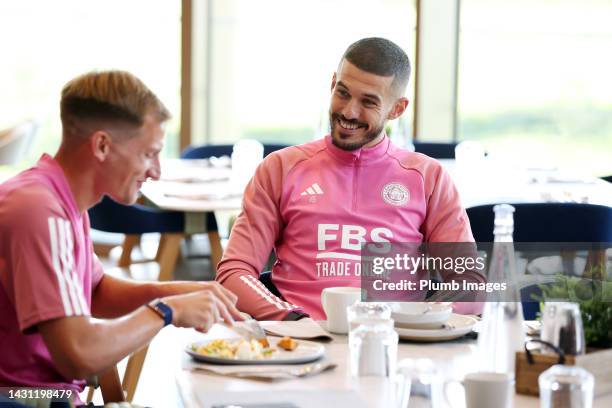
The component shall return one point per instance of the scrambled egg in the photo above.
(240, 350)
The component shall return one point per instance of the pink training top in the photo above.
(316, 203)
(47, 271)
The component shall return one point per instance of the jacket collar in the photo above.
(364, 155)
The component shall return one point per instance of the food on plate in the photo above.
(237, 350)
(287, 343)
(264, 342)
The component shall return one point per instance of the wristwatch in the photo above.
(162, 309)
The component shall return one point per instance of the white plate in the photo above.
(420, 315)
(305, 352)
(456, 326)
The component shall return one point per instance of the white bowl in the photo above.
(420, 315)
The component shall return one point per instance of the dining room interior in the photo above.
(511, 100)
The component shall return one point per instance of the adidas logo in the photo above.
(313, 190)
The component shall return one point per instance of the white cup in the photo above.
(335, 301)
(486, 389)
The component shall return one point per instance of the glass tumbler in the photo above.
(562, 327)
(362, 311)
(564, 386)
(372, 340)
(418, 381)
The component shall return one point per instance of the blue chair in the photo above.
(218, 150)
(436, 150)
(110, 216)
(206, 151)
(548, 222)
(571, 225)
(135, 220)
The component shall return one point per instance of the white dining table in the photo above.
(193, 186)
(166, 382)
(493, 181)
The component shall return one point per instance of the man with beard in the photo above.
(315, 204)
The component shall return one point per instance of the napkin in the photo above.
(260, 372)
(300, 329)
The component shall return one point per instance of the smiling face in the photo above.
(361, 104)
(132, 159)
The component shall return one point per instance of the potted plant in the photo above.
(595, 299)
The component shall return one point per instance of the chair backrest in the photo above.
(110, 216)
(15, 142)
(210, 150)
(206, 151)
(436, 150)
(548, 222)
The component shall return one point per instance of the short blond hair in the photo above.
(108, 97)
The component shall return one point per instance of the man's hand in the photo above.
(202, 309)
(201, 304)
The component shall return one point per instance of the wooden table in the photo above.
(196, 389)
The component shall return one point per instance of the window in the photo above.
(47, 43)
(534, 81)
(273, 61)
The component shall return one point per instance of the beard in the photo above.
(339, 138)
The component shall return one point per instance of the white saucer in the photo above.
(456, 326)
(420, 315)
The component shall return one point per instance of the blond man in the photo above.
(61, 317)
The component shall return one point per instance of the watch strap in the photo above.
(162, 309)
